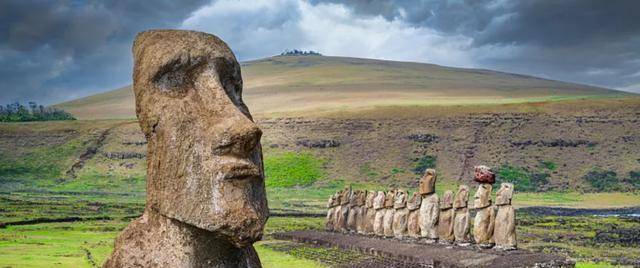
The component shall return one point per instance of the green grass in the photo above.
(289, 169)
(272, 258)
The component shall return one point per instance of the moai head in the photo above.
(389, 199)
(362, 197)
(415, 202)
(482, 198)
(345, 197)
(462, 197)
(504, 194)
(483, 174)
(331, 202)
(378, 201)
(447, 200)
(371, 195)
(428, 182)
(400, 200)
(204, 159)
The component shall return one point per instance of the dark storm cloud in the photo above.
(56, 50)
(588, 41)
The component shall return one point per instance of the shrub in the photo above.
(602, 180)
(424, 163)
(523, 179)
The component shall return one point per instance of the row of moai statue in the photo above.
(426, 218)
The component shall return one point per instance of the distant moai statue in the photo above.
(461, 220)
(413, 225)
(345, 199)
(401, 215)
(362, 212)
(206, 201)
(354, 210)
(504, 234)
(429, 209)
(485, 212)
(331, 211)
(370, 213)
(378, 205)
(387, 222)
(445, 220)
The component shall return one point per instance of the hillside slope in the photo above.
(302, 84)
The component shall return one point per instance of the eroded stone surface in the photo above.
(427, 183)
(354, 211)
(485, 216)
(206, 201)
(505, 223)
(370, 214)
(387, 222)
(428, 217)
(445, 220)
(378, 205)
(400, 217)
(413, 225)
(461, 221)
(484, 174)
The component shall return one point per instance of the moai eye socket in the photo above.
(178, 76)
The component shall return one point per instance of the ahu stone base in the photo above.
(427, 255)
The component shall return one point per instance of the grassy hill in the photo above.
(311, 84)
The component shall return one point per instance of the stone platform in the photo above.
(423, 255)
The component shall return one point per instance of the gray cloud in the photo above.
(58, 50)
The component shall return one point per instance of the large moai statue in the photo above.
(429, 209)
(413, 225)
(401, 215)
(354, 210)
(361, 219)
(461, 222)
(370, 213)
(345, 199)
(331, 211)
(504, 233)
(485, 216)
(387, 222)
(378, 206)
(445, 220)
(206, 202)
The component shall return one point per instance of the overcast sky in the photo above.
(52, 51)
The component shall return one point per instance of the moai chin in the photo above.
(401, 215)
(206, 201)
(430, 207)
(354, 210)
(485, 217)
(370, 213)
(413, 225)
(362, 213)
(378, 206)
(461, 216)
(387, 222)
(445, 220)
(504, 233)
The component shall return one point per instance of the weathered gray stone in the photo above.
(504, 233)
(354, 211)
(485, 216)
(206, 201)
(445, 220)
(401, 215)
(378, 205)
(430, 207)
(370, 213)
(461, 221)
(413, 225)
(387, 222)
(362, 213)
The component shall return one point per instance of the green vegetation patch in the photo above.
(424, 163)
(602, 180)
(522, 178)
(292, 169)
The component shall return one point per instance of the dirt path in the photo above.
(91, 151)
(426, 255)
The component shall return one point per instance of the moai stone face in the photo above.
(378, 201)
(447, 200)
(204, 156)
(483, 174)
(462, 197)
(389, 199)
(428, 182)
(353, 199)
(400, 200)
(346, 196)
(504, 194)
(414, 202)
(482, 198)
